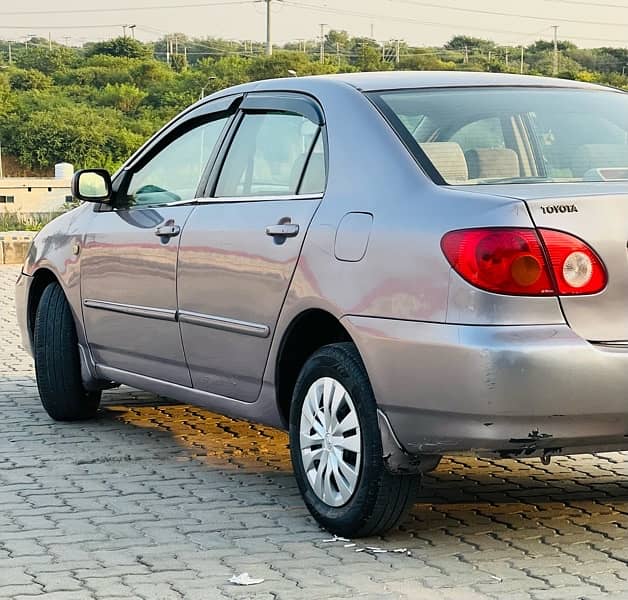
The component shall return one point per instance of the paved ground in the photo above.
(159, 500)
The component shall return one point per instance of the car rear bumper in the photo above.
(508, 390)
(22, 290)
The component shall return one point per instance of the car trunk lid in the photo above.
(598, 215)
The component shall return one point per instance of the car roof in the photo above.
(400, 80)
(393, 80)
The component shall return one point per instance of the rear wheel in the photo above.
(336, 448)
(57, 362)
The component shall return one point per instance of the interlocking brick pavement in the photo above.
(158, 500)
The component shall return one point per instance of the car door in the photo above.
(242, 242)
(129, 258)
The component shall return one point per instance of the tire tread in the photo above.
(57, 363)
(388, 496)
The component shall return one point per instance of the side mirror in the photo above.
(92, 185)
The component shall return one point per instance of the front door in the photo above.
(129, 257)
(241, 244)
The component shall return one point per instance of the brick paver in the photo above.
(160, 500)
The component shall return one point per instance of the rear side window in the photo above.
(268, 156)
(315, 174)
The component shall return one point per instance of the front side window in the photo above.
(267, 156)
(523, 135)
(175, 172)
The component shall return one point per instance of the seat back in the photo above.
(497, 163)
(449, 160)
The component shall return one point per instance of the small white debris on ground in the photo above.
(245, 579)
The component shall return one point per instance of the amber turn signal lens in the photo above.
(525, 270)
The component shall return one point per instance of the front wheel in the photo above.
(336, 448)
(57, 362)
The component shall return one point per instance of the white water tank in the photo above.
(64, 170)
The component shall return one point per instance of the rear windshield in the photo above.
(513, 135)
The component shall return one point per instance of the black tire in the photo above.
(380, 498)
(57, 362)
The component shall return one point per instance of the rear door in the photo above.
(241, 244)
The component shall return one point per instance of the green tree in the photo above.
(29, 79)
(121, 47)
(425, 62)
(78, 134)
(123, 96)
(462, 42)
(48, 61)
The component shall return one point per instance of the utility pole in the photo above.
(269, 42)
(383, 51)
(132, 28)
(168, 49)
(555, 65)
(49, 42)
(507, 53)
(398, 52)
(10, 54)
(124, 31)
(466, 55)
(521, 68)
(322, 57)
(338, 52)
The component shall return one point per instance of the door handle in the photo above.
(167, 231)
(283, 230)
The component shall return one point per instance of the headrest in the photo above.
(448, 158)
(486, 163)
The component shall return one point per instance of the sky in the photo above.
(418, 22)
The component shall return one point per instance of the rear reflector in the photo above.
(515, 261)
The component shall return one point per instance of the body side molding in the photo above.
(184, 316)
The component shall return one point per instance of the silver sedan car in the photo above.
(392, 267)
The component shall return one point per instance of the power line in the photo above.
(584, 3)
(450, 26)
(119, 9)
(354, 13)
(61, 27)
(479, 11)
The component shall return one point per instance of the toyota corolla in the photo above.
(393, 267)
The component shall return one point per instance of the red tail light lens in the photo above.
(513, 261)
(504, 261)
(577, 268)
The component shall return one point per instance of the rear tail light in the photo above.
(577, 268)
(517, 261)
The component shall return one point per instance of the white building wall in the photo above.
(33, 194)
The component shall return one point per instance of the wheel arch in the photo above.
(42, 278)
(306, 333)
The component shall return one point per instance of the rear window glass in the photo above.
(507, 135)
